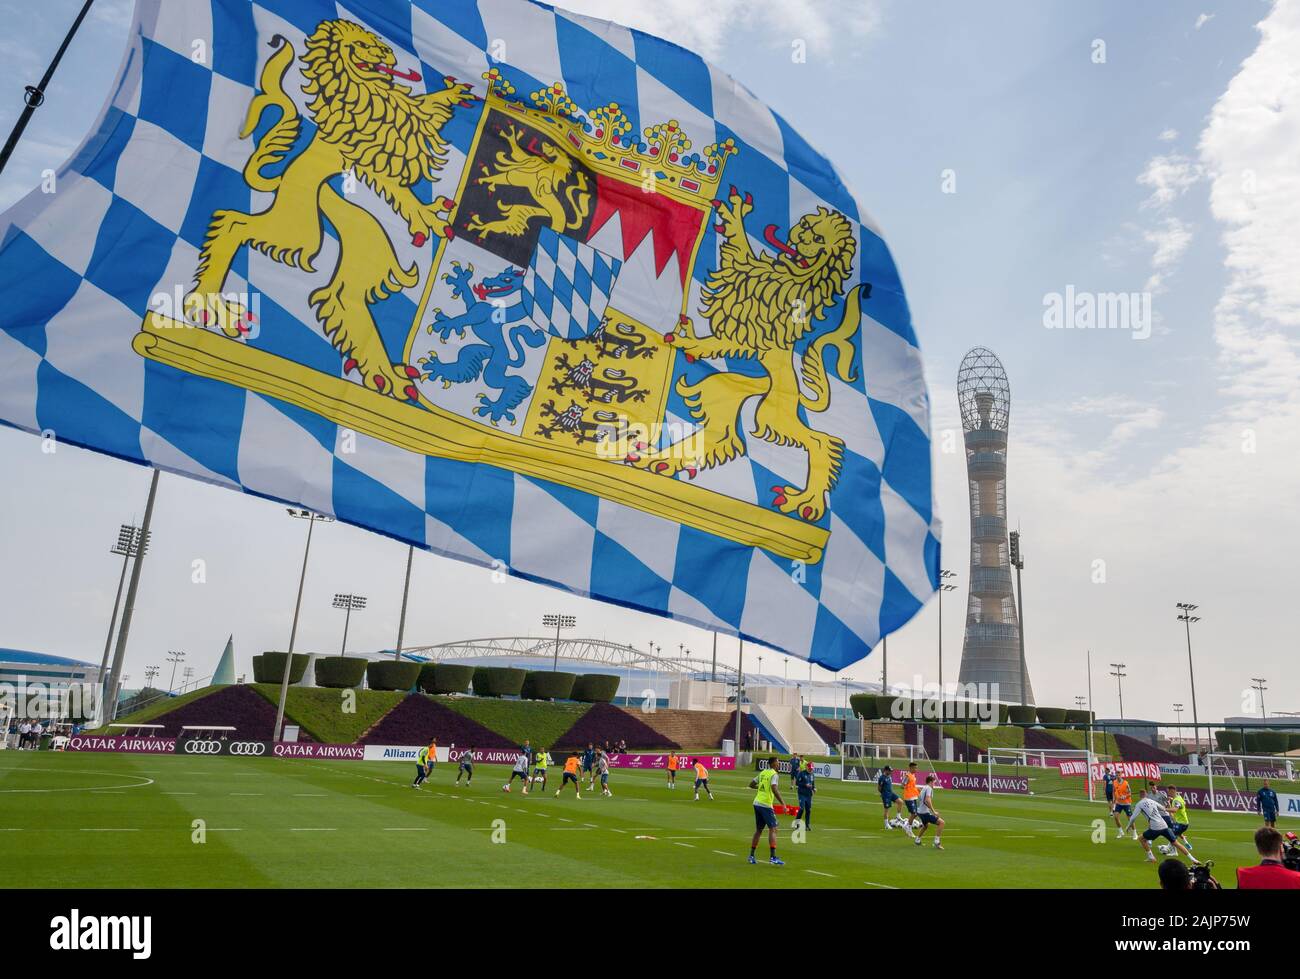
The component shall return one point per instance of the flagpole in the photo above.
(34, 96)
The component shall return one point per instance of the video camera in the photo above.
(1202, 879)
(1291, 851)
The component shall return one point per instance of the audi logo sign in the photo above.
(211, 746)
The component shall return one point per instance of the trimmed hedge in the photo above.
(269, 667)
(445, 677)
(547, 685)
(1292, 741)
(1265, 742)
(1020, 714)
(865, 705)
(498, 681)
(1229, 741)
(1052, 715)
(1081, 717)
(340, 672)
(391, 674)
(595, 688)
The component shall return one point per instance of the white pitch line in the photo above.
(690, 846)
(406, 829)
(110, 829)
(872, 883)
(313, 829)
(180, 793)
(724, 853)
(246, 793)
(818, 873)
(310, 795)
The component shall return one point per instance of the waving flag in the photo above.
(514, 285)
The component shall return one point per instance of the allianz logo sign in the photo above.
(102, 932)
(401, 753)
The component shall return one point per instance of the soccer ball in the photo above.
(1166, 849)
(916, 824)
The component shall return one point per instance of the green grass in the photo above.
(541, 721)
(117, 820)
(983, 738)
(1102, 744)
(319, 710)
(163, 705)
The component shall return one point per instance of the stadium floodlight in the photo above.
(174, 656)
(557, 622)
(150, 674)
(130, 541)
(1258, 683)
(1119, 675)
(944, 585)
(1185, 616)
(348, 602)
(312, 518)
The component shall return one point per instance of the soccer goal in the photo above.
(1049, 771)
(1234, 779)
(862, 761)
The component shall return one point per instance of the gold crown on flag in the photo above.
(606, 141)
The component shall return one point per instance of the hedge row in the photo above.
(445, 677)
(392, 674)
(551, 685)
(873, 707)
(269, 667)
(1257, 742)
(595, 688)
(340, 672)
(502, 681)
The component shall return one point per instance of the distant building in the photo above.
(39, 682)
(991, 649)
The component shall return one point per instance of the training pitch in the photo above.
(108, 820)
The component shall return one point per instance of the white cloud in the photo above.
(1168, 135)
(1170, 240)
(1249, 149)
(1202, 20)
(707, 28)
(1169, 177)
(113, 11)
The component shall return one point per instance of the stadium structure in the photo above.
(991, 649)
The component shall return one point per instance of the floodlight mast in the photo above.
(558, 622)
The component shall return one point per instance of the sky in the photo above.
(1010, 152)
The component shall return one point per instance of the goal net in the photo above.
(1062, 772)
(862, 761)
(1235, 779)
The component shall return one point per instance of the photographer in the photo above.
(1271, 874)
(1177, 876)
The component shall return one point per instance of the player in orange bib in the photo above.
(911, 793)
(570, 775)
(701, 780)
(1123, 804)
(673, 762)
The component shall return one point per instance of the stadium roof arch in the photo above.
(573, 652)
